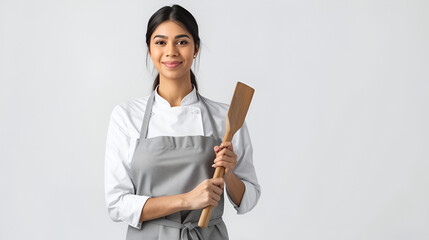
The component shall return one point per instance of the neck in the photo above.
(174, 90)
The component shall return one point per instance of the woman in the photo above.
(162, 150)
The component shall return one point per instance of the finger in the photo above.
(215, 197)
(225, 159)
(216, 149)
(213, 203)
(227, 145)
(226, 165)
(227, 152)
(218, 182)
(217, 190)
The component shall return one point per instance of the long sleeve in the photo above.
(245, 171)
(121, 201)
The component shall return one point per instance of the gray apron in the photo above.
(167, 165)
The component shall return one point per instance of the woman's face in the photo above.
(172, 51)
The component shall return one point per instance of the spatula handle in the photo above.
(207, 212)
(219, 172)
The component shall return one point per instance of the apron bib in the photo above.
(167, 165)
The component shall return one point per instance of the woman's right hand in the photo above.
(206, 193)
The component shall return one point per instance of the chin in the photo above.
(173, 76)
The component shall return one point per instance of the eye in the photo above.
(159, 42)
(182, 42)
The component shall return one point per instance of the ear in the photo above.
(196, 50)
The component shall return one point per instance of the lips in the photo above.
(171, 64)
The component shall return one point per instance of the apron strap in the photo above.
(148, 111)
(187, 229)
(147, 114)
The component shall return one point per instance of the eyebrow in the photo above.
(176, 37)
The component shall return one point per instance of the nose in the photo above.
(171, 50)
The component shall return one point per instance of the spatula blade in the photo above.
(239, 106)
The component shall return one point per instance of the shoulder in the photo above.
(223, 107)
(131, 106)
(218, 111)
(129, 111)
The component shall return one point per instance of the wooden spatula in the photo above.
(236, 114)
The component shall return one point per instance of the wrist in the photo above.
(183, 201)
(228, 179)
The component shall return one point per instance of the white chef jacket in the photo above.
(185, 120)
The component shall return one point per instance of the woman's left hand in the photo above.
(225, 157)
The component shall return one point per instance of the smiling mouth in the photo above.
(171, 64)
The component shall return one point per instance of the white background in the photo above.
(339, 119)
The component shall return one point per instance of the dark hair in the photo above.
(178, 14)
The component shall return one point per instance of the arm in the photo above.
(240, 176)
(162, 206)
(245, 171)
(235, 188)
(226, 158)
(206, 193)
(121, 201)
